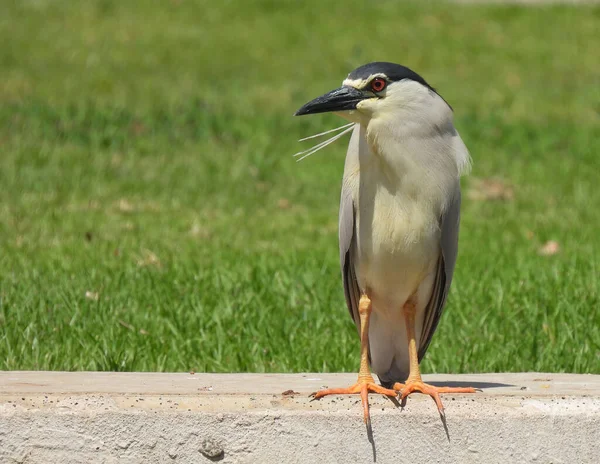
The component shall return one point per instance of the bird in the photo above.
(398, 222)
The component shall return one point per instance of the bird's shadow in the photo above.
(478, 385)
(371, 440)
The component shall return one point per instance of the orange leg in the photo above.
(365, 383)
(414, 383)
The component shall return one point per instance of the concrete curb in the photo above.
(89, 417)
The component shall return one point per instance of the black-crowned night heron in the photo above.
(399, 217)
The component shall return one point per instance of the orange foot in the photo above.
(412, 386)
(362, 387)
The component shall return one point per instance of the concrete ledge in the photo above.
(90, 417)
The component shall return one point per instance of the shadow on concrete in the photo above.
(371, 440)
(478, 385)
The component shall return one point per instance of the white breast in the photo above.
(397, 237)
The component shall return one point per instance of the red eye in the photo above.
(378, 84)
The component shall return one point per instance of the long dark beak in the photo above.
(342, 99)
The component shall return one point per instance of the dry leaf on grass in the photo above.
(262, 186)
(126, 325)
(490, 189)
(137, 128)
(91, 295)
(197, 230)
(149, 259)
(283, 203)
(125, 206)
(549, 248)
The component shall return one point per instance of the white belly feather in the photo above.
(397, 240)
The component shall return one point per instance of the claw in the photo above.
(418, 386)
(361, 387)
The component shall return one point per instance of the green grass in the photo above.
(146, 162)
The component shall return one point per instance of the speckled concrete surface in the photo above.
(48, 417)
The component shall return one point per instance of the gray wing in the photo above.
(449, 223)
(347, 227)
(346, 235)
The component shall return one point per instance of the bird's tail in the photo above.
(388, 349)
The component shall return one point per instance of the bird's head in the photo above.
(377, 90)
